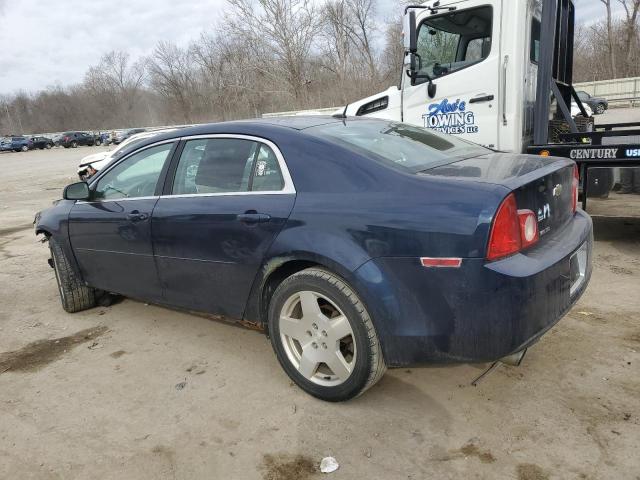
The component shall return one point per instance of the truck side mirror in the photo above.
(409, 32)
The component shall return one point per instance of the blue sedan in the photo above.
(356, 244)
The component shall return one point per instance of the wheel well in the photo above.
(276, 278)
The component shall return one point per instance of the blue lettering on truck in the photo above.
(633, 152)
(451, 118)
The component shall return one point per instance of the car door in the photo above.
(459, 50)
(226, 199)
(111, 233)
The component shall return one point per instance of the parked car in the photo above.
(42, 142)
(598, 104)
(92, 164)
(15, 144)
(357, 244)
(123, 135)
(75, 139)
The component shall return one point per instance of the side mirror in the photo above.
(409, 32)
(76, 191)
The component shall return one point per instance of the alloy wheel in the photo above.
(317, 338)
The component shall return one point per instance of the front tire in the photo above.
(600, 109)
(74, 144)
(323, 336)
(24, 148)
(75, 296)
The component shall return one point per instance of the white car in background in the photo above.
(91, 164)
(575, 110)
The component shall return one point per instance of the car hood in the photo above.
(94, 157)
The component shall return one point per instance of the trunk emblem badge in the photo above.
(557, 190)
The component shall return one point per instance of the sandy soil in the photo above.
(138, 391)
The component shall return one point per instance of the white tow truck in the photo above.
(499, 73)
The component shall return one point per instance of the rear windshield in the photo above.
(398, 144)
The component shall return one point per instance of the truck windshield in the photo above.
(453, 41)
(398, 144)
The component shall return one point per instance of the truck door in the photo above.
(460, 51)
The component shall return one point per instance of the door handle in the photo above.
(136, 216)
(482, 98)
(251, 216)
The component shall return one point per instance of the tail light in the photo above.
(513, 230)
(574, 188)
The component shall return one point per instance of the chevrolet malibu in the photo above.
(356, 244)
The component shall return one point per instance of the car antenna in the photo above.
(343, 114)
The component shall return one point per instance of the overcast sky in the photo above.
(45, 43)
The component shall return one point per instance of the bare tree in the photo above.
(631, 8)
(610, 38)
(362, 28)
(172, 76)
(280, 34)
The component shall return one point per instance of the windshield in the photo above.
(398, 144)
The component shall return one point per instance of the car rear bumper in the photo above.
(479, 312)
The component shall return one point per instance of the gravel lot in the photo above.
(142, 392)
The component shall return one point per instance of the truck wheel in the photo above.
(600, 108)
(323, 336)
(74, 295)
(74, 144)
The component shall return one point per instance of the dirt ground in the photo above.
(142, 392)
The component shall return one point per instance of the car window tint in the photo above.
(226, 165)
(136, 176)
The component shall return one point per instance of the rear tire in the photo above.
(316, 317)
(75, 296)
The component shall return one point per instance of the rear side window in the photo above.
(226, 165)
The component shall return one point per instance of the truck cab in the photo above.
(473, 75)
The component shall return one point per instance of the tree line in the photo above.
(609, 48)
(271, 55)
(264, 56)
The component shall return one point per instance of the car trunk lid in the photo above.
(543, 185)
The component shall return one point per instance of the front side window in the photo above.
(136, 176)
(453, 41)
(226, 165)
